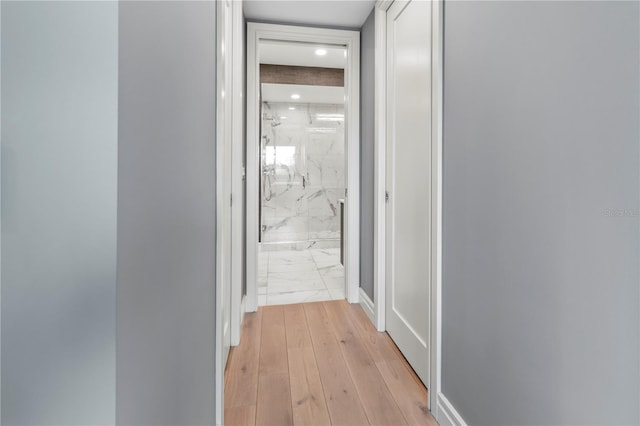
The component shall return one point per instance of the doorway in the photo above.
(302, 173)
(302, 165)
(408, 183)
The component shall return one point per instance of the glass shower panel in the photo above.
(302, 178)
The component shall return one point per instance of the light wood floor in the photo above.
(319, 364)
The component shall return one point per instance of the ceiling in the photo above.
(301, 54)
(308, 94)
(328, 13)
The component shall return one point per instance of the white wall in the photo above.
(59, 174)
(540, 282)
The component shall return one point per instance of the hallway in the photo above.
(318, 364)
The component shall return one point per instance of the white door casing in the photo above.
(409, 182)
(237, 170)
(223, 199)
(351, 41)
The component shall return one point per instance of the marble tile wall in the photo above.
(303, 164)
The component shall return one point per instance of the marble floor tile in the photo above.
(293, 277)
(262, 281)
(290, 255)
(337, 294)
(334, 271)
(289, 287)
(298, 297)
(321, 264)
(330, 256)
(296, 267)
(299, 276)
(283, 260)
(333, 283)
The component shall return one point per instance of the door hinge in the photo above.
(231, 199)
(386, 196)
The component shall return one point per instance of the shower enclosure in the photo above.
(302, 175)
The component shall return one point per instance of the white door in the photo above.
(409, 180)
(224, 153)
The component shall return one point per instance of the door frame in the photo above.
(437, 402)
(223, 143)
(351, 40)
(237, 171)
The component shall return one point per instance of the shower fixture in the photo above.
(275, 121)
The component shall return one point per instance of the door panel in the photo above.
(409, 180)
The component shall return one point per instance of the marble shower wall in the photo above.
(303, 164)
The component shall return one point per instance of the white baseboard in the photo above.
(243, 310)
(446, 414)
(368, 306)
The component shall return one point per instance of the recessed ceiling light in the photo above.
(295, 96)
(321, 52)
(292, 108)
(283, 118)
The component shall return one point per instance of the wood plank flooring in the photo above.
(320, 364)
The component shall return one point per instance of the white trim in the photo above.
(351, 40)
(437, 75)
(223, 125)
(253, 166)
(367, 306)
(219, 383)
(237, 206)
(384, 5)
(243, 309)
(446, 414)
(218, 368)
(352, 198)
(435, 367)
(380, 112)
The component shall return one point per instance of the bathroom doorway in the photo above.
(302, 165)
(302, 179)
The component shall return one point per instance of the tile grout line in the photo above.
(318, 270)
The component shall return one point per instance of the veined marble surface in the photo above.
(303, 164)
(299, 276)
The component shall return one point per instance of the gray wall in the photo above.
(367, 121)
(59, 174)
(0, 212)
(540, 280)
(166, 214)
